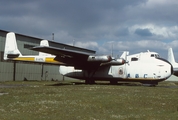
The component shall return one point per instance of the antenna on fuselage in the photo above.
(52, 36)
(112, 50)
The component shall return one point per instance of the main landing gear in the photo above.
(89, 78)
(150, 84)
(89, 81)
(113, 82)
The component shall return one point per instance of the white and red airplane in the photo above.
(145, 67)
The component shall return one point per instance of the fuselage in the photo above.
(142, 67)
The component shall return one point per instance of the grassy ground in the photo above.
(65, 101)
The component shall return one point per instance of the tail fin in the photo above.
(44, 43)
(11, 50)
(171, 58)
(124, 55)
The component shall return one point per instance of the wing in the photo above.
(60, 52)
(78, 59)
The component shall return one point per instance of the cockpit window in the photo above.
(155, 55)
(152, 55)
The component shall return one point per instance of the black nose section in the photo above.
(172, 70)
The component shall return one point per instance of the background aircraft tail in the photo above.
(124, 55)
(11, 50)
(171, 58)
(44, 43)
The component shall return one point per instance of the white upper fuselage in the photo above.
(144, 66)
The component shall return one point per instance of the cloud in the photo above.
(155, 31)
(143, 32)
(89, 44)
(132, 25)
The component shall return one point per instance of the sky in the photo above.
(101, 25)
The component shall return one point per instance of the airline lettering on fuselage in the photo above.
(128, 75)
(40, 59)
(137, 75)
(145, 75)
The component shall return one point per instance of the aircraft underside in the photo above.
(91, 80)
(131, 72)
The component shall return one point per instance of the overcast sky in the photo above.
(132, 25)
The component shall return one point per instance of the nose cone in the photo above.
(168, 68)
(168, 71)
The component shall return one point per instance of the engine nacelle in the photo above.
(115, 62)
(103, 58)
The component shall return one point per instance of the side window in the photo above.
(152, 55)
(134, 59)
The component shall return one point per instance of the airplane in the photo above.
(171, 59)
(11, 52)
(145, 67)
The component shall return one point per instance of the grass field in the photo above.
(66, 101)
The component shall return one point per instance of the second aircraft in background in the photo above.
(11, 52)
